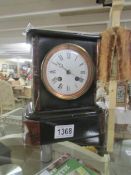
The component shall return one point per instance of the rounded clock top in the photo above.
(67, 71)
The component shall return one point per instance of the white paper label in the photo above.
(64, 131)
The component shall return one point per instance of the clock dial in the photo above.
(67, 71)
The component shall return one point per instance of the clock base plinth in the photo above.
(82, 127)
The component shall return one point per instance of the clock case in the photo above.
(48, 111)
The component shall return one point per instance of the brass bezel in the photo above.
(88, 60)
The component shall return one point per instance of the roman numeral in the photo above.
(82, 72)
(68, 88)
(52, 71)
(60, 57)
(54, 63)
(68, 55)
(60, 86)
(54, 80)
(81, 64)
(76, 58)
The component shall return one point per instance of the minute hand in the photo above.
(61, 66)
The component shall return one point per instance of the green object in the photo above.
(73, 167)
(66, 165)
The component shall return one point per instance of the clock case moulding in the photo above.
(47, 110)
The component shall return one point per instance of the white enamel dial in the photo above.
(66, 71)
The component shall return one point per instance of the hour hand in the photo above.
(79, 79)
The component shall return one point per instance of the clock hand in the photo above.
(77, 78)
(61, 66)
(69, 72)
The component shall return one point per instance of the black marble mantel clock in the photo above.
(64, 86)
